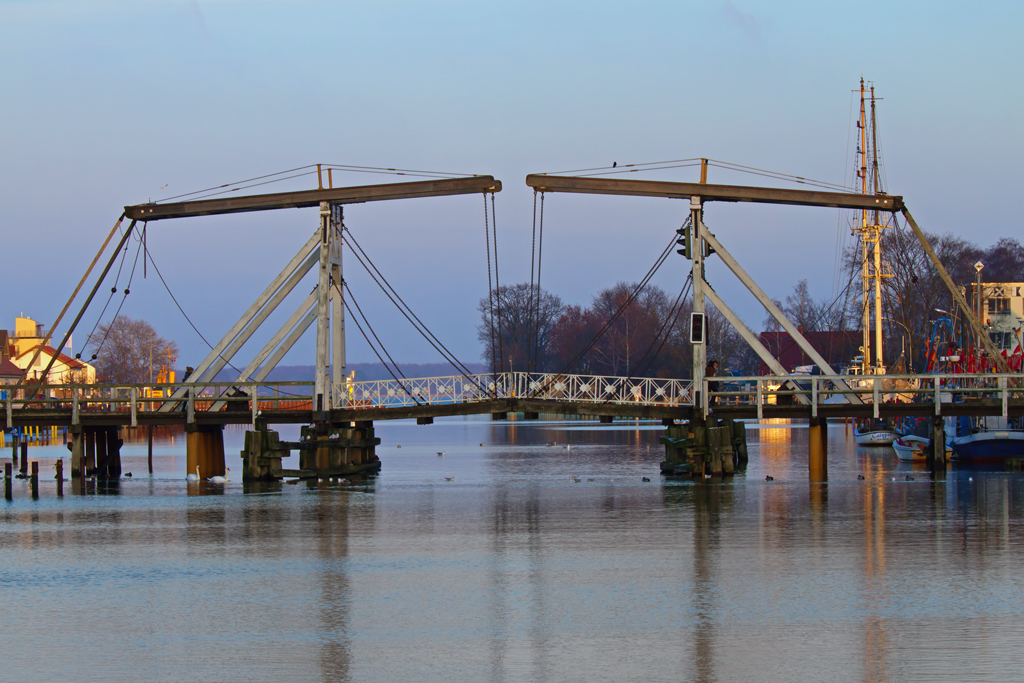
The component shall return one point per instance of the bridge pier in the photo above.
(936, 458)
(699, 448)
(325, 450)
(817, 460)
(204, 447)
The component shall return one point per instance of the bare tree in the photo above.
(523, 320)
(128, 350)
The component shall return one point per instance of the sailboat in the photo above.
(871, 432)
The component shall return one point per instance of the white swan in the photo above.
(221, 480)
(193, 477)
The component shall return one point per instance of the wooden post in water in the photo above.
(90, 452)
(818, 450)
(77, 452)
(15, 438)
(100, 437)
(8, 472)
(59, 476)
(936, 458)
(34, 481)
(149, 440)
(114, 443)
(24, 459)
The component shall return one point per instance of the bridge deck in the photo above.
(582, 395)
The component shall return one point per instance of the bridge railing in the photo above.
(138, 398)
(452, 389)
(936, 389)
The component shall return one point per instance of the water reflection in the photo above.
(516, 571)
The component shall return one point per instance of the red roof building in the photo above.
(837, 347)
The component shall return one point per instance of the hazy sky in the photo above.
(105, 102)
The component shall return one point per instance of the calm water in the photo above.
(513, 572)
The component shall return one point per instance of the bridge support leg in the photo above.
(114, 444)
(937, 450)
(818, 450)
(261, 459)
(100, 438)
(204, 447)
(349, 448)
(89, 436)
(77, 451)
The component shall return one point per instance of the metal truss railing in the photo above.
(200, 397)
(523, 385)
(936, 389)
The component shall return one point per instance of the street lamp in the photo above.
(977, 293)
(911, 341)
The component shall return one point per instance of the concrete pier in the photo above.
(817, 460)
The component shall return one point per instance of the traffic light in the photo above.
(686, 239)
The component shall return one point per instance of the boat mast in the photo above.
(876, 230)
(862, 171)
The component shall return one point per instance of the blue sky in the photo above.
(103, 103)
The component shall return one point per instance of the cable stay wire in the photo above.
(405, 310)
(308, 169)
(127, 291)
(629, 299)
(540, 255)
(529, 293)
(490, 294)
(497, 283)
(664, 333)
(401, 382)
(160, 275)
(113, 291)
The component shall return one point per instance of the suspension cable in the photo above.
(540, 254)
(529, 301)
(497, 283)
(629, 299)
(127, 291)
(370, 344)
(490, 290)
(666, 330)
(405, 310)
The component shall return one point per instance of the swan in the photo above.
(193, 477)
(221, 480)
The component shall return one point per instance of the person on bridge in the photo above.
(712, 371)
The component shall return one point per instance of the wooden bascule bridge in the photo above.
(699, 413)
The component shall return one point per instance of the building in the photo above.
(837, 347)
(65, 370)
(1002, 311)
(9, 372)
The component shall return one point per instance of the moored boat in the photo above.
(874, 433)
(992, 440)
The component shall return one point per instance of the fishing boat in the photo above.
(913, 445)
(989, 440)
(872, 432)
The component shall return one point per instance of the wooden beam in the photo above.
(713, 193)
(309, 198)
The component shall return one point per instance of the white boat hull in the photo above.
(914, 448)
(875, 437)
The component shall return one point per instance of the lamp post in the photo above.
(977, 293)
(911, 337)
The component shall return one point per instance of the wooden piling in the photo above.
(77, 452)
(15, 438)
(100, 439)
(24, 459)
(818, 450)
(936, 457)
(59, 476)
(114, 443)
(90, 452)
(8, 472)
(149, 454)
(34, 481)
(204, 448)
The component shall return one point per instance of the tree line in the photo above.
(645, 333)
